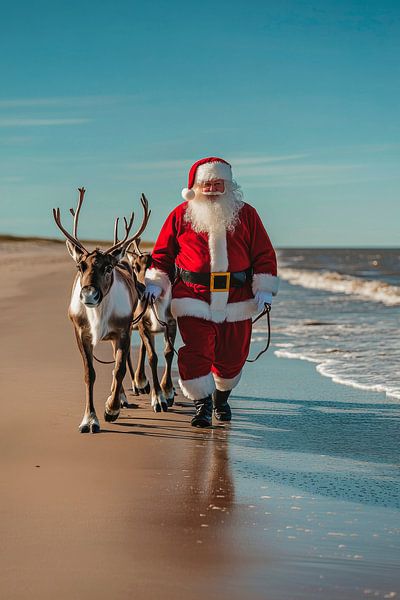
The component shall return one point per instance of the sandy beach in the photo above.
(297, 498)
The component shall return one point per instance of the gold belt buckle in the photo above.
(214, 282)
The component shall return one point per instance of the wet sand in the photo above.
(278, 505)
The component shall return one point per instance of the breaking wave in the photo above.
(331, 281)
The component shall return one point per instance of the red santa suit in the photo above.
(215, 325)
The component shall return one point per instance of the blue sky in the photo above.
(122, 97)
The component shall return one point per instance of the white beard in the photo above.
(212, 216)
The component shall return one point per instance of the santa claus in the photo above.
(214, 256)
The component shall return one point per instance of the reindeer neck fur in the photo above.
(117, 304)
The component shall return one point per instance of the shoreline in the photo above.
(388, 397)
(294, 499)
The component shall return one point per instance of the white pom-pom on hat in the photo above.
(206, 169)
(188, 194)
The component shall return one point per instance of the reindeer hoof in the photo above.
(158, 402)
(124, 401)
(145, 389)
(112, 416)
(89, 424)
(169, 395)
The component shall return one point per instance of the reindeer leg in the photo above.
(166, 383)
(122, 395)
(113, 402)
(131, 371)
(158, 402)
(140, 383)
(89, 422)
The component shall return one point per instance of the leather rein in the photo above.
(151, 303)
(266, 311)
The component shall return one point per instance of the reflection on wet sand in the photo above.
(199, 516)
(208, 493)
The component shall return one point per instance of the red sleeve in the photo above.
(263, 256)
(162, 271)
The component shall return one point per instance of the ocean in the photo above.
(340, 309)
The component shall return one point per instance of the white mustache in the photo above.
(213, 193)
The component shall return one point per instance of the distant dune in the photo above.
(5, 237)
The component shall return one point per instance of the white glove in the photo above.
(263, 298)
(152, 292)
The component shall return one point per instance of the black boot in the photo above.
(203, 416)
(222, 410)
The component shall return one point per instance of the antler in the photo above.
(136, 244)
(57, 217)
(75, 213)
(127, 241)
(146, 217)
(116, 231)
(74, 240)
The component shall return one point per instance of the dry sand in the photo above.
(144, 509)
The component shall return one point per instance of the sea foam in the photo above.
(331, 281)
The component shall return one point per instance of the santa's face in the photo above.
(215, 206)
(213, 188)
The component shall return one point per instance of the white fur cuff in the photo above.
(264, 282)
(225, 385)
(158, 277)
(196, 389)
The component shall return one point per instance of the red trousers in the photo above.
(213, 355)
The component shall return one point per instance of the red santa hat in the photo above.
(206, 169)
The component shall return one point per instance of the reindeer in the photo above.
(103, 301)
(162, 395)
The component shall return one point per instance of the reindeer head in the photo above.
(96, 268)
(139, 261)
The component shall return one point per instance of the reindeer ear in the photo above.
(118, 253)
(74, 251)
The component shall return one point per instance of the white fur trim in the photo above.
(190, 307)
(196, 389)
(160, 278)
(240, 311)
(225, 385)
(235, 311)
(188, 194)
(213, 170)
(218, 263)
(264, 282)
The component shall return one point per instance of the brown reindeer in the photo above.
(104, 298)
(162, 394)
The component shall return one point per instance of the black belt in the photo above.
(217, 282)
